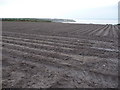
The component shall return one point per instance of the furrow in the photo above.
(53, 38)
(41, 36)
(70, 41)
(99, 33)
(47, 47)
(94, 32)
(111, 32)
(107, 31)
(89, 30)
(41, 59)
(117, 29)
(114, 32)
(67, 45)
(36, 45)
(81, 45)
(21, 55)
(80, 29)
(52, 54)
(9, 60)
(80, 51)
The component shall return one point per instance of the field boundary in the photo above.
(0, 55)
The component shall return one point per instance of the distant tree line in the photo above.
(37, 20)
(25, 19)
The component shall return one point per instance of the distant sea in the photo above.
(97, 21)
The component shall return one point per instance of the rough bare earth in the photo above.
(56, 55)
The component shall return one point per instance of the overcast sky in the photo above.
(59, 9)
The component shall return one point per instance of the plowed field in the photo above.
(59, 55)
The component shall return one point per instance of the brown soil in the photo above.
(56, 55)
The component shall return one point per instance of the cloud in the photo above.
(51, 8)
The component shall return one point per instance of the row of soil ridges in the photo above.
(59, 55)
